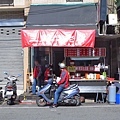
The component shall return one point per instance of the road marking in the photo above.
(93, 106)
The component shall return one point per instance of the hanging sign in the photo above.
(84, 52)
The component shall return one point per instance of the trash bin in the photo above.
(117, 98)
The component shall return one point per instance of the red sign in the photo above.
(58, 38)
(77, 52)
(71, 52)
(100, 52)
(84, 52)
(85, 68)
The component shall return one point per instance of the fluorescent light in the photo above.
(85, 58)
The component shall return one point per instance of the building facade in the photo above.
(15, 59)
(12, 17)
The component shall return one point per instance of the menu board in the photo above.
(70, 52)
(99, 52)
(84, 52)
(86, 68)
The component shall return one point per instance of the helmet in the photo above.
(62, 65)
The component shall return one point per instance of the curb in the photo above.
(27, 102)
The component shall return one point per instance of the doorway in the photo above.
(58, 56)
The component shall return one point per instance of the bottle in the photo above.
(104, 74)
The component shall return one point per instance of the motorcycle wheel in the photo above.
(40, 101)
(10, 102)
(77, 98)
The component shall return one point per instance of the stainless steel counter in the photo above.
(91, 86)
(87, 80)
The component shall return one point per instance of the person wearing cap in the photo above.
(62, 83)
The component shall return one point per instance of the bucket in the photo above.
(117, 98)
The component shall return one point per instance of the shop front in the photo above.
(63, 45)
(67, 33)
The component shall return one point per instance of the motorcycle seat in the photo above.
(71, 86)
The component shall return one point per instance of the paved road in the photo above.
(84, 112)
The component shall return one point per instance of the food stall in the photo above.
(87, 68)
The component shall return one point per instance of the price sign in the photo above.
(77, 52)
(70, 52)
(85, 68)
(84, 52)
(101, 52)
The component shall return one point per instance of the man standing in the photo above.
(36, 76)
(62, 83)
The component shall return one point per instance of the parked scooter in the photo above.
(11, 89)
(70, 95)
(1, 93)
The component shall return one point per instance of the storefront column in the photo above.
(32, 59)
(51, 55)
(25, 61)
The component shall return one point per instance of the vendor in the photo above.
(72, 68)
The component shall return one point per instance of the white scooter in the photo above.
(11, 89)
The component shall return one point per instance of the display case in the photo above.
(88, 69)
(89, 63)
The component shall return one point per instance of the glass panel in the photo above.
(6, 2)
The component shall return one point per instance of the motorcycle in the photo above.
(69, 96)
(10, 88)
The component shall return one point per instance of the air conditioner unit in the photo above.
(112, 19)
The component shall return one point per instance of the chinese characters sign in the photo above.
(84, 52)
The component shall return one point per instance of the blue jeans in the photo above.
(57, 94)
(34, 86)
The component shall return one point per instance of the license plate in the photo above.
(9, 93)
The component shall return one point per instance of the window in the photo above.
(6, 2)
(74, 0)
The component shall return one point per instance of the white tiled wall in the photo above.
(91, 1)
(48, 1)
(22, 2)
(19, 2)
(58, 1)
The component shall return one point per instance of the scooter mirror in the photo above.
(5, 73)
(19, 75)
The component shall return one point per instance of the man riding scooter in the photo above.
(62, 84)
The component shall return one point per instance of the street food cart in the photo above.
(90, 77)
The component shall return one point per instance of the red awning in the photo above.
(58, 38)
